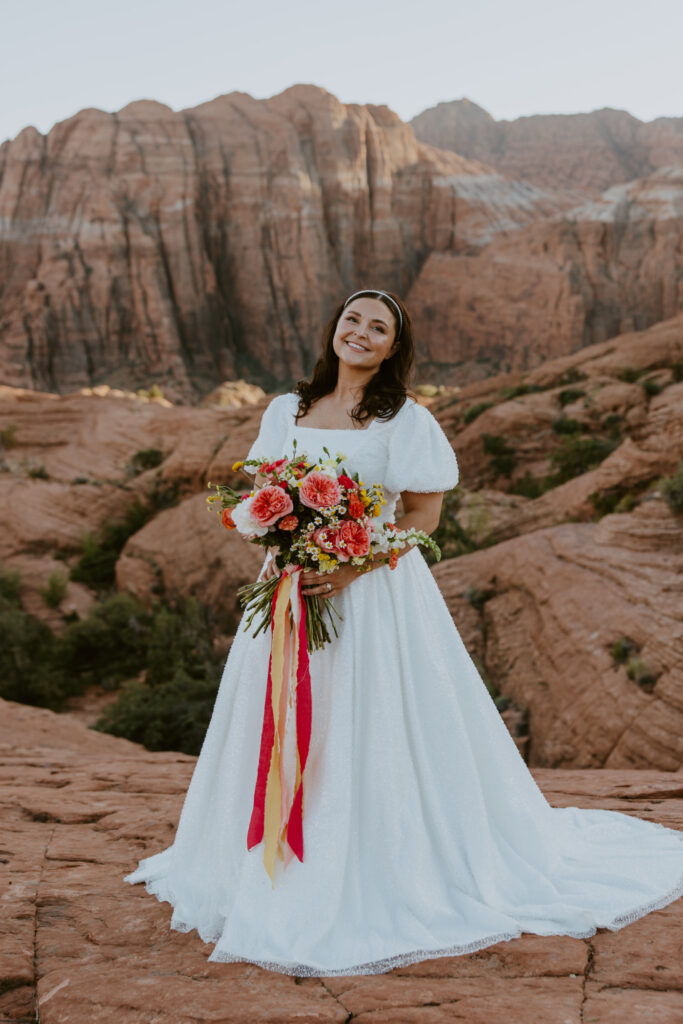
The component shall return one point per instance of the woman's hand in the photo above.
(313, 582)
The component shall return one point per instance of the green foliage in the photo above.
(531, 486)
(612, 423)
(570, 395)
(577, 455)
(154, 392)
(146, 458)
(651, 386)
(519, 389)
(565, 425)
(677, 372)
(623, 648)
(630, 374)
(640, 673)
(473, 411)
(10, 586)
(53, 593)
(37, 472)
(8, 436)
(503, 458)
(170, 646)
(99, 555)
(173, 715)
(671, 489)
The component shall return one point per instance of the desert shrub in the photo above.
(612, 423)
(671, 489)
(651, 386)
(532, 486)
(565, 425)
(570, 395)
(677, 371)
(172, 715)
(10, 586)
(53, 593)
(503, 458)
(37, 472)
(577, 455)
(8, 436)
(640, 673)
(108, 646)
(519, 389)
(146, 458)
(629, 374)
(100, 553)
(473, 411)
(622, 649)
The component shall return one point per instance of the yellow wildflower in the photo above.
(238, 465)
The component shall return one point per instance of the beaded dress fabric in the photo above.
(425, 834)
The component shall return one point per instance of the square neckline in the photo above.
(329, 430)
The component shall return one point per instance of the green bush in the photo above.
(622, 649)
(53, 594)
(570, 395)
(519, 389)
(651, 386)
(8, 436)
(531, 486)
(640, 673)
(671, 489)
(473, 411)
(146, 458)
(37, 472)
(565, 425)
(172, 715)
(577, 455)
(503, 458)
(630, 374)
(677, 372)
(100, 554)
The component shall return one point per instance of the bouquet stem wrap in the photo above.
(277, 812)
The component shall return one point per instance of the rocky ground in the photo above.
(80, 946)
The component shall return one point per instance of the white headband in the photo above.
(371, 291)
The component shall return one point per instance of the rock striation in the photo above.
(79, 809)
(589, 151)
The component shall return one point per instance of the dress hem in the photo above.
(160, 890)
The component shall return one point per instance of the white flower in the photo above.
(241, 517)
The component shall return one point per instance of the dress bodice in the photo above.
(408, 452)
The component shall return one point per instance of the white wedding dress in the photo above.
(425, 834)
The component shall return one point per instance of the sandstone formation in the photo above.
(580, 151)
(593, 272)
(569, 584)
(78, 944)
(183, 248)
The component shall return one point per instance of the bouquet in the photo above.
(315, 517)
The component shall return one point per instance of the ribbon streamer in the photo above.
(277, 812)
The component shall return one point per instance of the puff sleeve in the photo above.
(420, 455)
(272, 432)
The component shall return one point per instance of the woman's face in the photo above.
(365, 333)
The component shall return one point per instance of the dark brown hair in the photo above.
(386, 391)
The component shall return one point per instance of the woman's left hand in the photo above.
(313, 582)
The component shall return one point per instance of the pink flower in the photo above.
(320, 490)
(270, 503)
(288, 523)
(351, 540)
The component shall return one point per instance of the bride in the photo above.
(425, 834)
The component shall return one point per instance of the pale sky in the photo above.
(513, 59)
